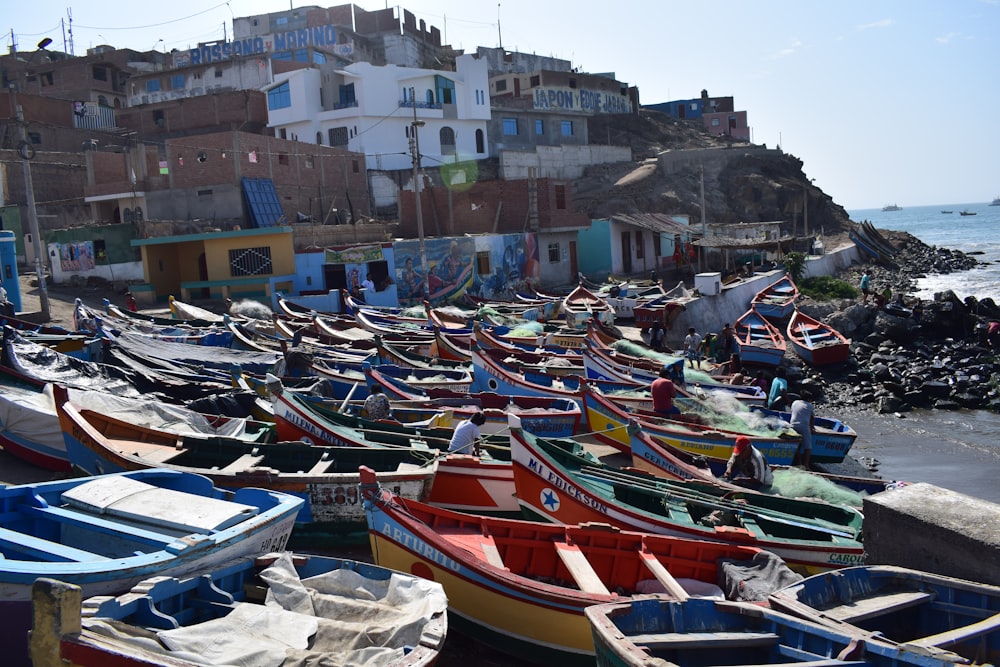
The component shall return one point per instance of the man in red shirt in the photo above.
(663, 392)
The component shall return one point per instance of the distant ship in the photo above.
(966, 212)
(996, 201)
(947, 211)
(892, 207)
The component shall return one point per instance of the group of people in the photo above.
(465, 439)
(884, 300)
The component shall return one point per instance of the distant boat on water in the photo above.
(947, 212)
(892, 207)
(966, 212)
(996, 201)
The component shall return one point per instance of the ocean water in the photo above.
(957, 450)
(979, 234)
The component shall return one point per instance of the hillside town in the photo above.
(320, 148)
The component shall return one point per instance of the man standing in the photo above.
(692, 347)
(747, 466)
(663, 392)
(803, 422)
(467, 435)
(777, 398)
(866, 286)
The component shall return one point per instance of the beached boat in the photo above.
(952, 618)
(581, 305)
(522, 586)
(712, 436)
(816, 342)
(662, 310)
(326, 477)
(757, 340)
(359, 612)
(557, 480)
(776, 300)
(652, 630)
(188, 311)
(107, 533)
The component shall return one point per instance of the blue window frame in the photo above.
(510, 126)
(152, 85)
(177, 82)
(567, 128)
(539, 126)
(279, 97)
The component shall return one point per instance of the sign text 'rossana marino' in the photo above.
(321, 36)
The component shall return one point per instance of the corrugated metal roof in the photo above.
(656, 222)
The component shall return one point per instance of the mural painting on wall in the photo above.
(514, 266)
(77, 256)
(449, 269)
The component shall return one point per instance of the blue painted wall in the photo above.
(593, 254)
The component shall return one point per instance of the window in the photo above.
(152, 85)
(346, 97)
(560, 191)
(572, 83)
(566, 127)
(338, 136)
(355, 166)
(100, 73)
(158, 118)
(250, 261)
(536, 81)
(319, 138)
(279, 97)
(483, 263)
(282, 55)
(640, 248)
(553, 253)
(218, 73)
(283, 158)
(447, 141)
(539, 126)
(204, 193)
(282, 133)
(715, 122)
(35, 137)
(309, 162)
(177, 82)
(45, 78)
(319, 58)
(301, 55)
(510, 126)
(480, 142)
(501, 85)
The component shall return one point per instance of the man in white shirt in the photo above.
(467, 435)
(368, 286)
(692, 347)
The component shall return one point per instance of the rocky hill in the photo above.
(748, 185)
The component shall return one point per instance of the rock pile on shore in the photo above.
(944, 361)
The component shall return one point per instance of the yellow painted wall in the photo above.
(217, 253)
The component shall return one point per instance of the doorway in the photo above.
(627, 252)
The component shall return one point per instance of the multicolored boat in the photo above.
(776, 300)
(522, 586)
(816, 342)
(558, 481)
(757, 340)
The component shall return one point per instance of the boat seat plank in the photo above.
(866, 608)
(663, 575)
(580, 569)
(320, 467)
(706, 640)
(958, 635)
(44, 550)
(491, 552)
(242, 463)
(98, 524)
(158, 455)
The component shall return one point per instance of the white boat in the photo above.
(892, 207)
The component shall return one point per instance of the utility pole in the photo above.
(27, 152)
(415, 154)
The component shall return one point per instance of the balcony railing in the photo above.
(345, 105)
(410, 104)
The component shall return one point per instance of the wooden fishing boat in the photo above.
(757, 340)
(357, 610)
(188, 311)
(652, 630)
(501, 338)
(777, 300)
(662, 310)
(155, 320)
(409, 356)
(29, 425)
(581, 305)
(832, 438)
(492, 375)
(107, 533)
(951, 618)
(326, 477)
(555, 416)
(816, 342)
(557, 480)
(522, 586)
(713, 439)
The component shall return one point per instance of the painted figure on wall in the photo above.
(411, 283)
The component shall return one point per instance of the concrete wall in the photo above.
(710, 313)
(925, 527)
(559, 162)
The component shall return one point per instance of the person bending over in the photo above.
(747, 466)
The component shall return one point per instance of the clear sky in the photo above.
(885, 101)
